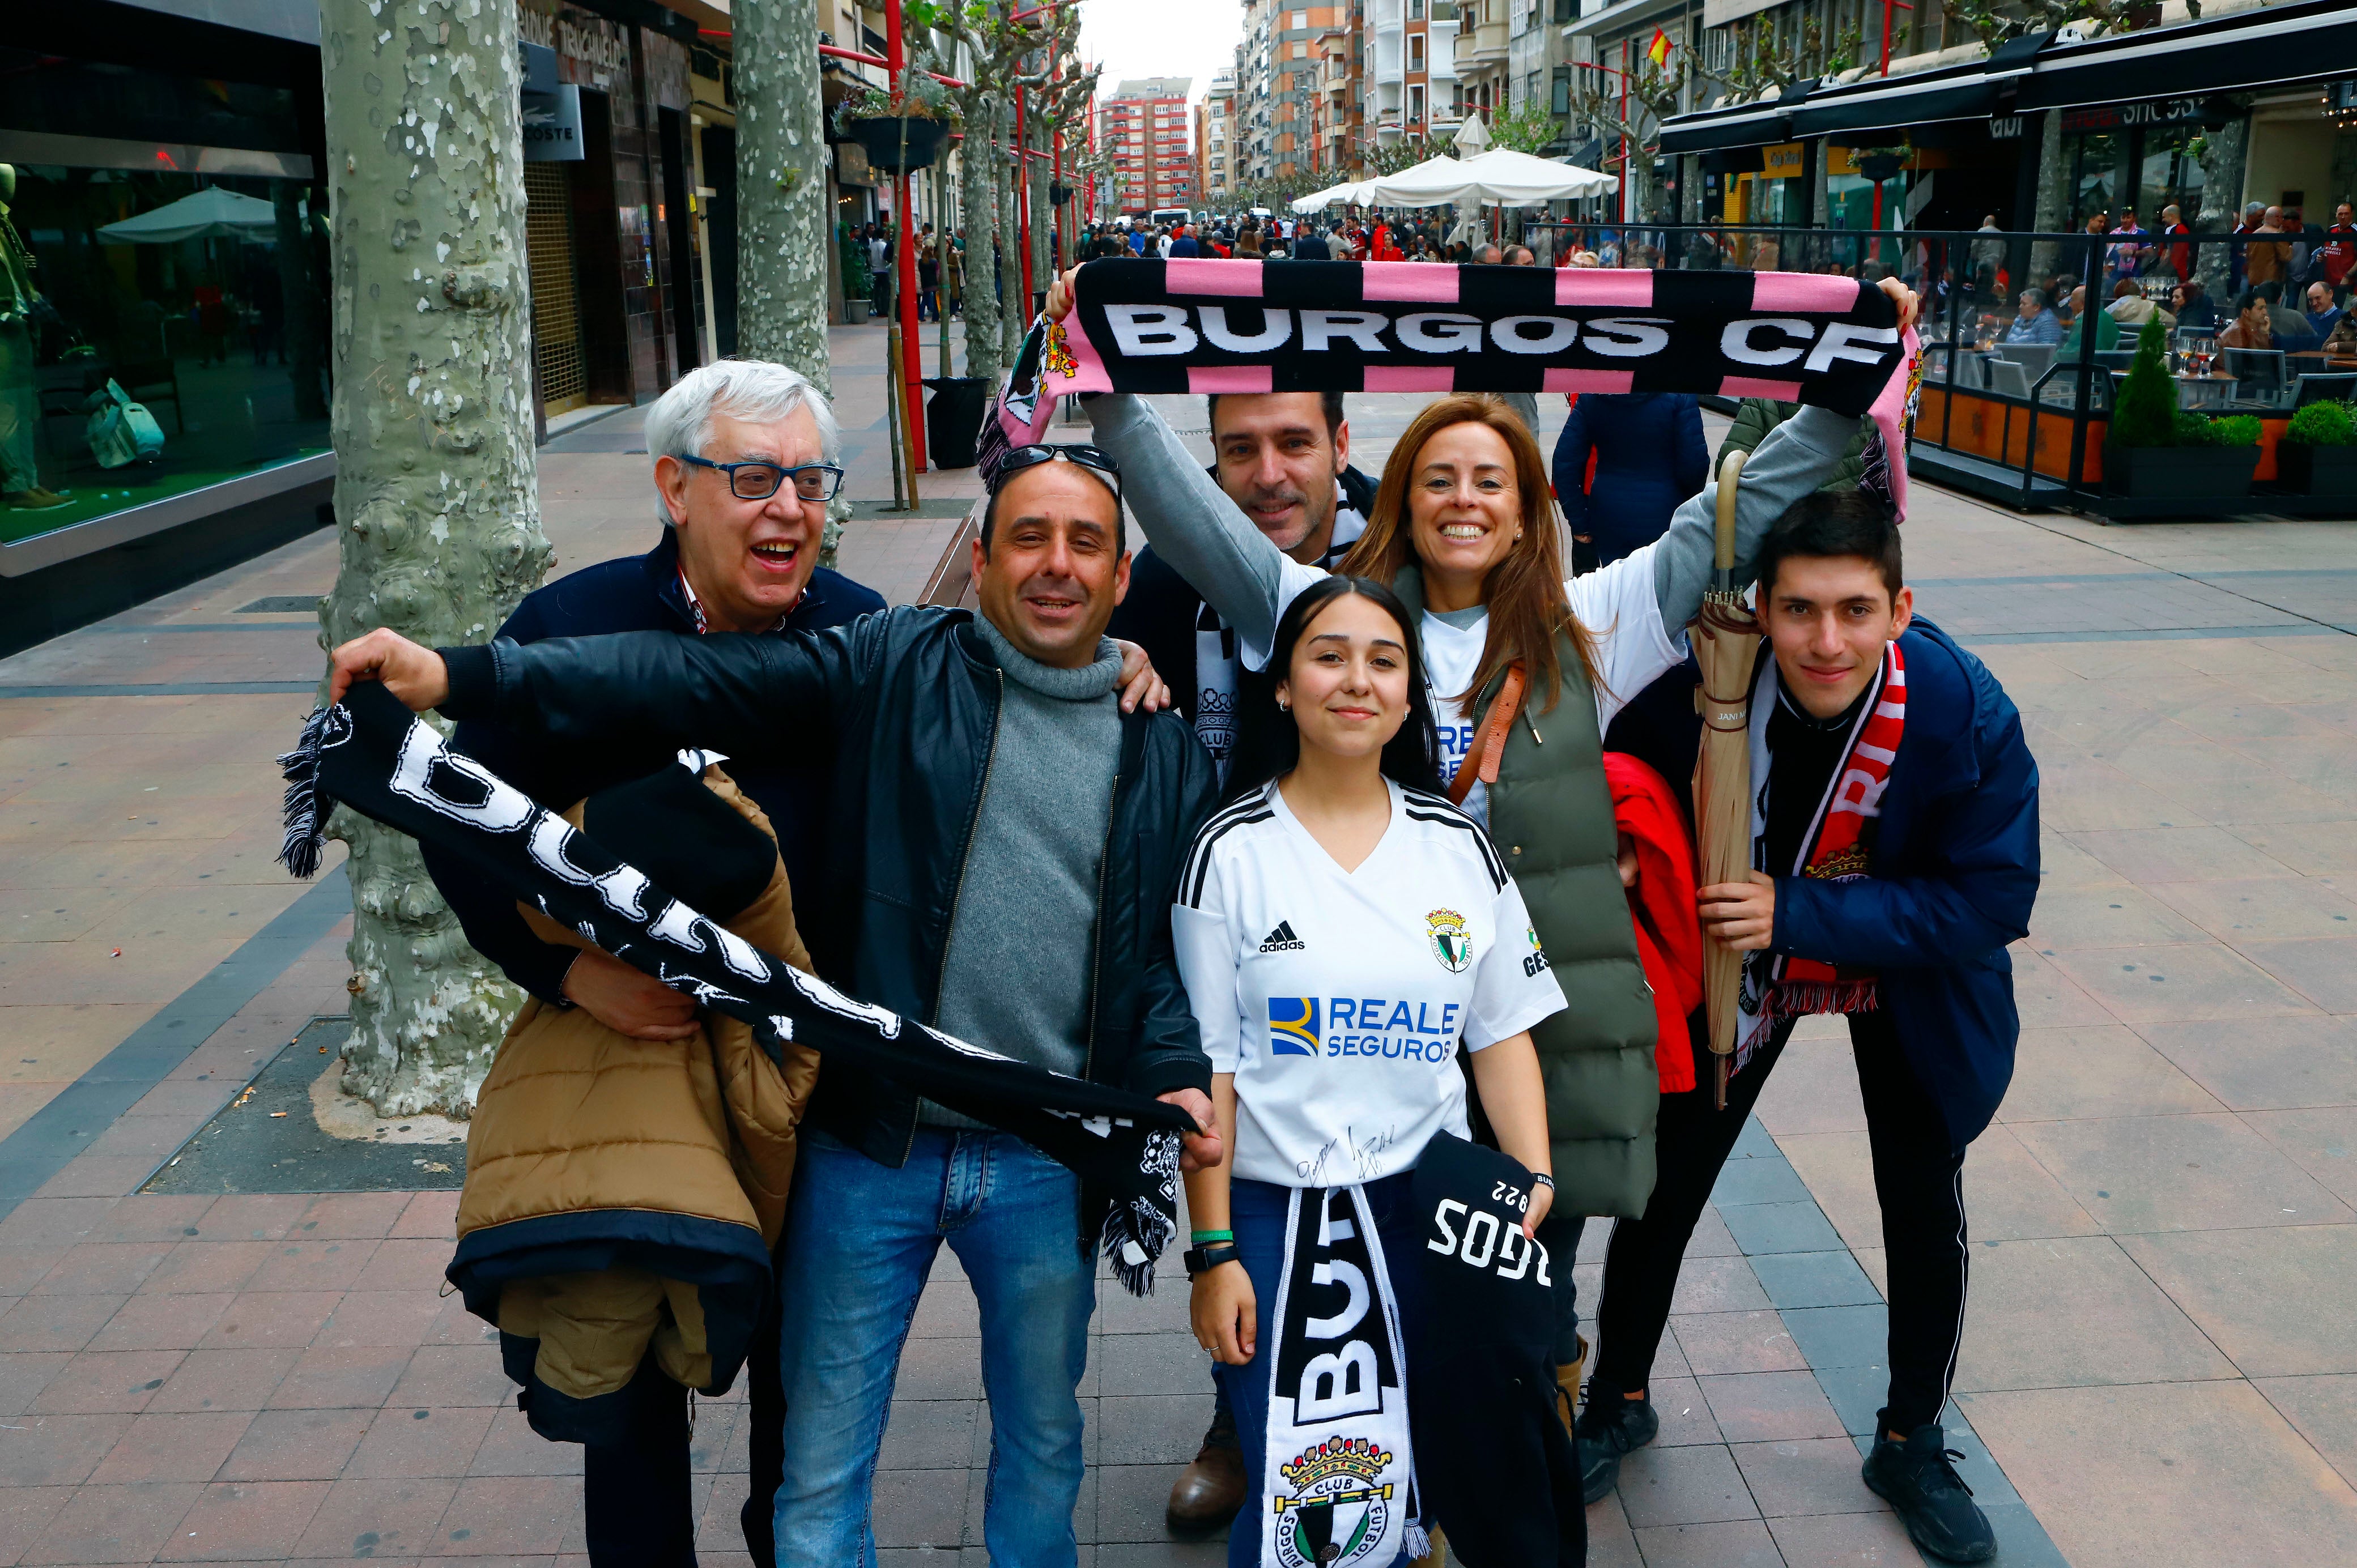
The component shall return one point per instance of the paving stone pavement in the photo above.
(2160, 1359)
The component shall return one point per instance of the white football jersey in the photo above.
(1338, 998)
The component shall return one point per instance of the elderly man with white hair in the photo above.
(746, 459)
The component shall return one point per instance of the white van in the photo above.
(1164, 217)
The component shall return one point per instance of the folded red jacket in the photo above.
(1668, 930)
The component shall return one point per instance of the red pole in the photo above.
(904, 269)
(1627, 173)
(1023, 202)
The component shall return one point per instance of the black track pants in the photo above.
(1917, 1176)
(637, 1497)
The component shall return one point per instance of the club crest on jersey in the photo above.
(1339, 1503)
(1452, 943)
(1293, 1025)
(1535, 961)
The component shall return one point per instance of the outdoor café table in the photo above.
(2212, 388)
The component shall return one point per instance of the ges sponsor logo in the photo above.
(1362, 1026)
(1535, 961)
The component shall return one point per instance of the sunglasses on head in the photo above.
(1097, 460)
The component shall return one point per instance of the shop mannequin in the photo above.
(20, 402)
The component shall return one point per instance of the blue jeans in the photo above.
(1256, 1212)
(860, 1239)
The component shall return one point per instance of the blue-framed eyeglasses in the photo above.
(758, 481)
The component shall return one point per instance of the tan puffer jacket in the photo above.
(659, 1158)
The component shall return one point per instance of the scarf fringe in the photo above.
(1135, 1233)
(306, 806)
(1799, 998)
(1418, 1545)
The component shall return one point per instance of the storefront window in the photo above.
(166, 249)
(197, 298)
(2169, 174)
(2101, 178)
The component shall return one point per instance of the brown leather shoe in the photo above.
(1209, 1491)
(1567, 1388)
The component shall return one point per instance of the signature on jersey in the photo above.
(1364, 1154)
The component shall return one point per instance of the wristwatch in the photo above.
(1203, 1260)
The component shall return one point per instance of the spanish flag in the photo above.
(1658, 51)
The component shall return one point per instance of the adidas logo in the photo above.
(1281, 939)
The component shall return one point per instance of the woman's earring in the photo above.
(1283, 706)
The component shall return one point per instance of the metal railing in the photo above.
(1970, 282)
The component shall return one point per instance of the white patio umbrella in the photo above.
(1504, 177)
(1349, 191)
(1427, 184)
(214, 212)
(1472, 136)
(1499, 177)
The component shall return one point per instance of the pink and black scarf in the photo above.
(1199, 324)
(1832, 850)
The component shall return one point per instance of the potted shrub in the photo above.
(858, 288)
(2318, 455)
(899, 132)
(2155, 450)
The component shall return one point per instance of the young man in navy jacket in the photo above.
(1899, 854)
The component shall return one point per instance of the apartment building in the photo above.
(1412, 89)
(1256, 90)
(1308, 65)
(1215, 141)
(1143, 127)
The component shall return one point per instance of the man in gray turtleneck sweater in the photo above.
(1032, 865)
(1021, 972)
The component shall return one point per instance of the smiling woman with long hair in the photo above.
(1464, 532)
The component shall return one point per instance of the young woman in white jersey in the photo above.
(1341, 928)
(1464, 530)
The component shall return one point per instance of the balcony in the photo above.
(1483, 46)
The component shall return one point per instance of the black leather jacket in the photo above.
(907, 701)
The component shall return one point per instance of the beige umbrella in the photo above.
(1726, 646)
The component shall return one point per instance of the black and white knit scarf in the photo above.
(370, 753)
(1338, 1468)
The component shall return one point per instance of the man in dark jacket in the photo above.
(994, 813)
(1285, 458)
(723, 565)
(1901, 824)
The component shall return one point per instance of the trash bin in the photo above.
(953, 418)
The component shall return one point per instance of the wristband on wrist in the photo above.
(1202, 1260)
(1540, 1178)
(1200, 1237)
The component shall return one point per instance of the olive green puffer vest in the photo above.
(1551, 817)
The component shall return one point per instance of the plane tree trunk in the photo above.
(437, 506)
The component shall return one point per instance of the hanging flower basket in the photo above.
(880, 138)
(1879, 166)
(1058, 194)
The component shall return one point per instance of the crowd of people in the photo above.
(1345, 815)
